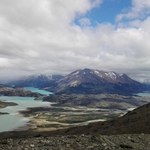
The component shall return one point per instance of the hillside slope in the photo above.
(136, 121)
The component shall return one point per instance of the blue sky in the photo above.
(107, 11)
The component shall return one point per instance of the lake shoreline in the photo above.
(10, 117)
(50, 117)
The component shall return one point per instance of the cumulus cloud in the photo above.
(40, 36)
(139, 10)
(85, 22)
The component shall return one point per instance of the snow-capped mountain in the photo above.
(87, 75)
(96, 81)
(83, 81)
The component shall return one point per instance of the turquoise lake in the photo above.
(145, 94)
(14, 120)
(44, 92)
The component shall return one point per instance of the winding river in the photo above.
(14, 120)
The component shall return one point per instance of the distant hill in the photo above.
(95, 81)
(38, 81)
(136, 121)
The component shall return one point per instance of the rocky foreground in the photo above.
(78, 142)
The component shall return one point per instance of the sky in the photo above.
(60, 36)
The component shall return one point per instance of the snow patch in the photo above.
(76, 73)
(74, 83)
(98, 73)
(111, 75)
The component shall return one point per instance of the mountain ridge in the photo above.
(84, 81)
(95, 81)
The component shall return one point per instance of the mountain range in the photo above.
(84, 81)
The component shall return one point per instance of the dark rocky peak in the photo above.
(97, 81)
(94, 75)
(80, 76)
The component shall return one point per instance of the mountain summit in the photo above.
(93, 81)
(94, 76)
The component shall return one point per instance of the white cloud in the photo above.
(140, 9)
(84, 22)
(40, 36)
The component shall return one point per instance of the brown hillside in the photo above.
(136, 121)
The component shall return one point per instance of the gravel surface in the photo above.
(79, 142)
